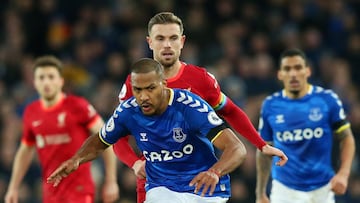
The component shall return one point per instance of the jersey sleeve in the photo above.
(28, 137)
(126, 91)
(201, 117)
(337, 114)
(264, 126)
(213, 95)
(87, 113)
(115, 127)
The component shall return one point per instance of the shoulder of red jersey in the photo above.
(194, 69)
(33, 104)
(75, 98)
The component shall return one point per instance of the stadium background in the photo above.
(238, 41)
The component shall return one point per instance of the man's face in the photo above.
(48, 82)
(294, 74)
(166, 42)
(148, 89)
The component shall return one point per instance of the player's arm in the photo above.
(22, 161)
(110, 190)
(343, 133)
(89, 151)
(226, 108)
(233, 154)
(263, 168)
(339, 182)
(263, 161)
(233, 115)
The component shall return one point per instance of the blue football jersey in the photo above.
(175, 143)
(303, 128)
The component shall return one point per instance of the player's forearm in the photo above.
(241, 123)
(110, 165)
(347, 152)
(263, 167)
(22, 161)
(230, 159)
(90, 150)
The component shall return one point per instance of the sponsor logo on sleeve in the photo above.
(214, 118)
(110, 125)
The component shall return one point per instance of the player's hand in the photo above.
(272, 151)
(110, 192)
(339, 183)
(63, 171)
(263, 199)
(12, 196)
(139, 169)
(206, 180)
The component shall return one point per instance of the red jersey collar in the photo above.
(45, 108)
(177, 76)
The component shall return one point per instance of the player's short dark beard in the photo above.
(167, 65)
(295, 93)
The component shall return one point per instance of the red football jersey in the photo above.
(58, 132)
(192, 78)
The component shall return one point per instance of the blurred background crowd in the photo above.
(238, 41)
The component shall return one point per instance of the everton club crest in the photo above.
(178, 135)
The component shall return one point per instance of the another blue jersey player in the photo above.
(176, 131)
(301, 120)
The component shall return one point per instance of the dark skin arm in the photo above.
(339, 182)
(263, 168)
(233, 155)
(89, 151)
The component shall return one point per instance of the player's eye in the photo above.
(174, 38)
(137, 90)
(160, 38)
(151, 88)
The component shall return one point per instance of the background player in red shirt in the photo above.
(166, 40)
(56, 125)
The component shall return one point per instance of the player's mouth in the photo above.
(47, 90)
(167, 54)
(146, 107)
(294, 83)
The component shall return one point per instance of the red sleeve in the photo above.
(126, 91)
(211, 89)
(124, 152)
(85, 111)
(28, 137)
(233, 114)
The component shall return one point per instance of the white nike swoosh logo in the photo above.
(36, 123)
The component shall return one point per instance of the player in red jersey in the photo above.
(166, 40)
(56, 125)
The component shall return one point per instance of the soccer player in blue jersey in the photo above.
(301, 120)
(176, 131)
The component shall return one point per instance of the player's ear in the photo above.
(308, 71)
(62, 82)
(279, 75)
(183, 38)
(148, 39)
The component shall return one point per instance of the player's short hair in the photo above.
(146, 65)
(165, 18)
(48, 60)
(293, 52)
